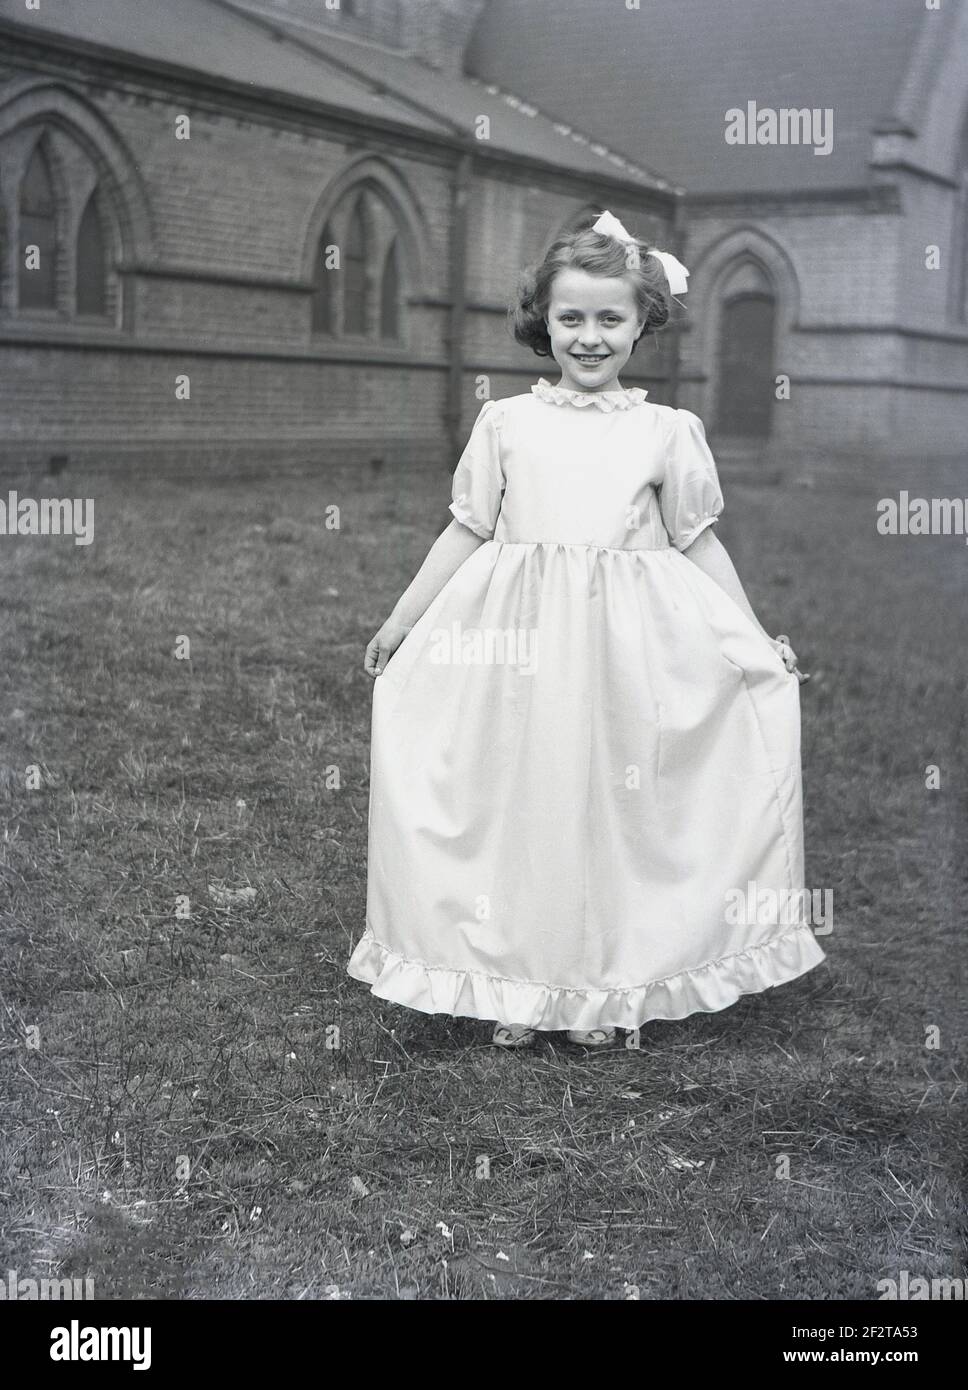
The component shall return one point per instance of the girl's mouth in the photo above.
(589, 359)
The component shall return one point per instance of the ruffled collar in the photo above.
(605, 400)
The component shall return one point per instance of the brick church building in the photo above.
(847, 270)
(173, 178)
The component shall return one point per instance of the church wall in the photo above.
(221, 295)
(213, 287)
(858, 381)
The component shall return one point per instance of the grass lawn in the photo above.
(210, 1107)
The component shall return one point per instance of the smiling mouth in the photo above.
(589, 359)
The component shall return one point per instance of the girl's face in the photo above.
(593, 323)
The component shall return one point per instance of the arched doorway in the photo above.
(745, 361)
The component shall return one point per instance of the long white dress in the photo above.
(584, 749)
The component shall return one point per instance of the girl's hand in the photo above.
(788, 656)
(381, 647)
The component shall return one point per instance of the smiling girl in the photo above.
(554, 843)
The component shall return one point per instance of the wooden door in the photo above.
(745, 361)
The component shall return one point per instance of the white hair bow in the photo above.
(676, 272)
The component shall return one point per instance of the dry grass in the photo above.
(338, 1146)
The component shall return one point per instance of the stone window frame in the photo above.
(397, 219)
(75, 180)
(365, 204)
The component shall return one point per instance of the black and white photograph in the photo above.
(484, 721)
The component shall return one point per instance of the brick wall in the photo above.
(230, 215)
(215, 265)
(851, 280)
(234, 207)
(100, 404)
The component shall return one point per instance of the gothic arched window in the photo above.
(360, 295)
(38, 235)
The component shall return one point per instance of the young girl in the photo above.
(585, 745)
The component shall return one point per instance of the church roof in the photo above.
(517, 125)
(657, 81)
(213, 38)
(207, 38)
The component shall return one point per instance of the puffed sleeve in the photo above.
(478, 483)
(689, 497)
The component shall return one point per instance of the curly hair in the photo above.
(597, 254)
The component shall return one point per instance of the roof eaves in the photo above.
(318, 49)
(286, 34)
(247, 90)
(604, 180)
(447, 134)
(602, 151)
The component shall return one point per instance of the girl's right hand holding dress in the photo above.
(452, 547)
(381, 647)
(788, 656)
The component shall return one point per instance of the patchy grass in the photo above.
(211, 1107)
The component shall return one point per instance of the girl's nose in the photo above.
(589, 337)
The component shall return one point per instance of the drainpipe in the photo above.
(679, 232)
(460, 197)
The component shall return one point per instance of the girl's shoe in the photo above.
(594, 1037)
(513, 1035)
